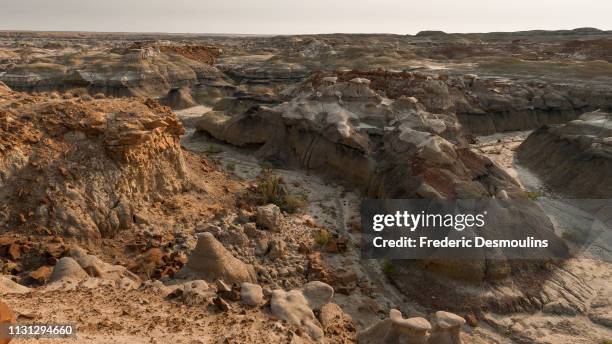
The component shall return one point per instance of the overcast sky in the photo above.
(304, 16)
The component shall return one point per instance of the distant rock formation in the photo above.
(178, 99)
(574, 159)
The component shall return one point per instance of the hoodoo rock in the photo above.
(447, 328)
(396, 330)
(211, 261)
(296, 307)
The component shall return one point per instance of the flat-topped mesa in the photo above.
(138, 70)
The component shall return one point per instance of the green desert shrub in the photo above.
(212, 150)
(533, 195)
(573, 237)
(388, 268)
(322, 237)
(272, 189)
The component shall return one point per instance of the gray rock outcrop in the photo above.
(67, 269)
(578, 156)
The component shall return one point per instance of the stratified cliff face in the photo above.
(574, 159)
(82, 167)
(487, 106)
(137, 70)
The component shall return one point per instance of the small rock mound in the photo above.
(395, 330)
(447, 328)
(67, 269)
(251, 294)
(211, 261)
(336, 322)
(178, 99)
(296, 306)
(269, 216)
(8, 286)
(96, 267)
(317, 293)
(194, 293)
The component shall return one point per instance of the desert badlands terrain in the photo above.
(206, 189)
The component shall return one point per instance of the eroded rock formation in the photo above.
(578, 156)
(210, 260)
(94, 163)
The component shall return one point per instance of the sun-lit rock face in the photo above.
(94, 162)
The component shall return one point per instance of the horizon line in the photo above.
(295, 34)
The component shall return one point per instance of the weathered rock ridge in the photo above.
(83, 168)
(578, 155)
